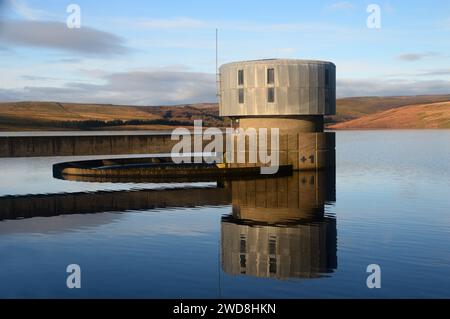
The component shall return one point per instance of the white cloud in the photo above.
(161, 87)
(56, 35)
(435, 72)
(156, 87)
(390, 87)
(342, 5)
(286, 50)
(178, 42)
(21, 8)
(410, 57)
(173, 23)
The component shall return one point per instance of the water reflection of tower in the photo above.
(278, 227)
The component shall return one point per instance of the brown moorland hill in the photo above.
(421, 116)
(355, 107)
(18, 116)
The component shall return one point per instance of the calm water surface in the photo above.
(307, 235)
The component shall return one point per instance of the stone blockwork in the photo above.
(274, 200)
(304, 151)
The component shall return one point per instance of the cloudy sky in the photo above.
(163, 52)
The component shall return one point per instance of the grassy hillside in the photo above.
(355, 107)
(430, 116)
(18, 116)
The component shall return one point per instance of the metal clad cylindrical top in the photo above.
(300, 87)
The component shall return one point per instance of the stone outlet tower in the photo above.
(292, 95)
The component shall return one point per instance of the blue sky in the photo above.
(154, 52)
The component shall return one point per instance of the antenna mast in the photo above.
(217, 64)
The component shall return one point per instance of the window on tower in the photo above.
(241, 96)
(270, 76)
(270, 95)
(240, 77)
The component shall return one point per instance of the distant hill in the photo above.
(19, 116)
(355, 107)
(16, 116)
(429, 116)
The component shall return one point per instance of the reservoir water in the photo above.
(301, 236)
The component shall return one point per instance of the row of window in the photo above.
(270, 95)
(270, 80)
(270, 76)
(270, 90)
(272, 254)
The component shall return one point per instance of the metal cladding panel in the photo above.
(313, 76)
(281, 99)
(300, 88)
(250, 75)
(313, 100)
(321, 75)
(260, 75)
(303, 72)
(332, 71)
(229, 80)
(261, 99)
(303, 101)
(321, 100)
(294, 75)
(332, 104)
(282, 76)
(251, 103)
(292, 99)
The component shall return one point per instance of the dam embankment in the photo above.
(80, 145)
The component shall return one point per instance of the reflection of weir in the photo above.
(278, 227)
(14, 207)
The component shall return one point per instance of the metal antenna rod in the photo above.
(217, 64)
(217, 47)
